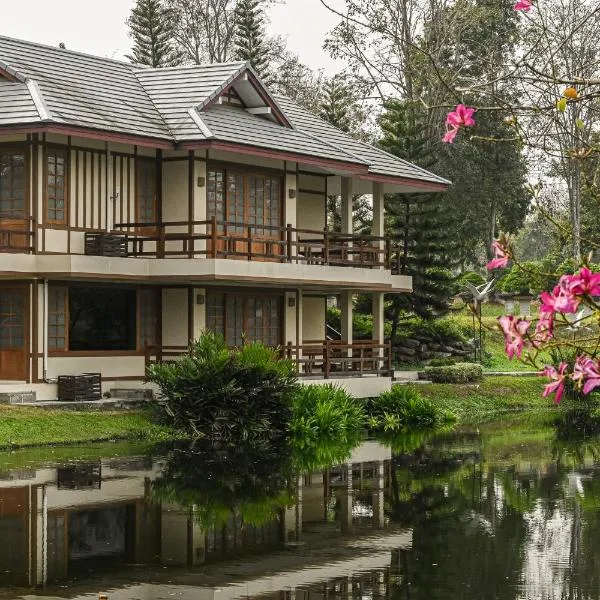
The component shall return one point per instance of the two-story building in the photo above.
(139, 207)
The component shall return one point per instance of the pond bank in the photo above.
(494, 398)
(27, 427)
(490, 399)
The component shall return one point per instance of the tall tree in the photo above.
(151, 28)
(419, 222)
(250, 42)
(204, 30)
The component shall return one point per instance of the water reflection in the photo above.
(508, 512)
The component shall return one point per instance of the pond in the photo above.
(508, 511)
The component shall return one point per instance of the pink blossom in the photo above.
(502, 255)
(585, 283)
(461, 116)
(514, 330)
(544, 330)
(557, 385)
(586, 374)
(524, 5)
(450, 135)
(561, 299)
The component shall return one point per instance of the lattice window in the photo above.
(56, 186)
(146, 191)
(12, 319)
(58, 320)
(12, 184)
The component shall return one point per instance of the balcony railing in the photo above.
(224, 239)
(321, 359)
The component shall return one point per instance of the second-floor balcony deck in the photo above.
(241, 241)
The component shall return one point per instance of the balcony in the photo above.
(326, 359)
(16, 235)
(229, 240)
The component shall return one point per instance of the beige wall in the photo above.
(108, 366)
(290, 329)
(199, 312)
(314, 315)
(175, 317)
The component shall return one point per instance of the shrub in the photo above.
(403, 408)
(325, 411)
(458, 373)
(240, 394)
(470, 277)
(441, 362)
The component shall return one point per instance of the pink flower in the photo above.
(557, 386)
(461, 116)
(586, 374)
(514, 330)
(544, 330)
(450, 135)
(561, 299)
(502, 255)
(584, 283)
(524, 5)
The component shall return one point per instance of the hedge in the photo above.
(458, 373)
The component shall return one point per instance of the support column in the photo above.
(378, 497)
(378, 228)
(378, 335)
(347, 310)
(347, 193)
(346, 500)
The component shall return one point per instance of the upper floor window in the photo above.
(146, 209)
(245, 199)
(56, 186)
(12, 184)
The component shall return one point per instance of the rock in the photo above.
(402, 350)
(435, 347)
(411, 343)
(442, 354)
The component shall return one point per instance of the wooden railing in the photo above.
(325, 359)
(225, 239)
(332, 358)
(17, 236)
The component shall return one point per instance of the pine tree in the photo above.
(151, 27)
(337, 104)
(250, 42)
(420, 223)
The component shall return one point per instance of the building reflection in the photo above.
(58, 522)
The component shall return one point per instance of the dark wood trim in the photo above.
(34, 333)
(90, 133)
(159, 186)
(191, 189)
(100, 198)
(300, 171)
(84, 205)
(352, 167)
(243, 167)
(190, 314)
(175, 159)
(34, 196)
(312, 192)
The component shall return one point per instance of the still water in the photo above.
(507, 511)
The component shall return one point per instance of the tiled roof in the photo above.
(48, 85)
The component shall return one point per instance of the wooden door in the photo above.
(14, 311)
(246, 206)
(14, 207)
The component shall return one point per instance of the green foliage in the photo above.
(240, 394)
(444, 331)
(151, 28)
(362, 324)
(470, 277)
(339, 104)
(442, 362)
(418, 222)
(523, 279)
(325, 411)
(250, 35)
(458, 373)
(404, 409)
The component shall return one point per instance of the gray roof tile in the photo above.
(172, 105)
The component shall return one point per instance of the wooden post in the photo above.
(161, 241)
(249, 242)
(326, 249)
(213, 237)
(387, 258)
(326, 360)
(288, 231)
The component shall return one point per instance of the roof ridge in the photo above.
(221, 87)
(202, 126)
(58, 49)
(38, 99)
(151, 100)
(13, 71)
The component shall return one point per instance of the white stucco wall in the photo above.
(313, 323)
(175, 317)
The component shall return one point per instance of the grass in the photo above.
(24, 426)
(492, 398)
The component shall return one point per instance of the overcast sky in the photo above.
(99, 27)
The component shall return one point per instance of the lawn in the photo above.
(24, 426)
(492, 398)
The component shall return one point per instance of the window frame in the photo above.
(230, 299)
(141, 164)
(50, 150)
(20, 149)
(230, 201)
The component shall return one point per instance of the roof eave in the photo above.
(421, 184)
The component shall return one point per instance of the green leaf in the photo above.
(579, 123)
(561, 105)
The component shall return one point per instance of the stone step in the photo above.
(18, 397)
(132, 394)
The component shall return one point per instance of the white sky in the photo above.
(99, 27)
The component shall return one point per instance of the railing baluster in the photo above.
(288, 231)
(249, 242)
(213, 238)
